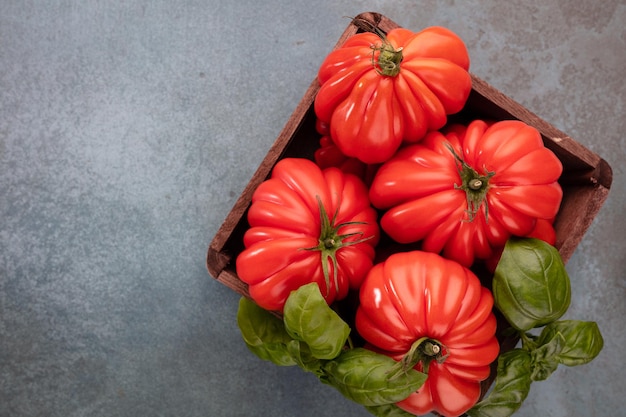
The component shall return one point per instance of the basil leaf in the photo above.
(531, 286)
(583, 340)
(387, 410)
(363, 376)
(510, 387)
(264, 333)
(308, 318)
(544, 357)
(301, 353)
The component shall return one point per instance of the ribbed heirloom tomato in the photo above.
(329, 155)
(380, 90)
(307, 225)
(431, 313)
(465, 191)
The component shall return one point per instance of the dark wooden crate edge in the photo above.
(216, 259)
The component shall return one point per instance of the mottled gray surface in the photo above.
(128, 129)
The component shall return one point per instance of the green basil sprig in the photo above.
(311, 335)
(532, 289)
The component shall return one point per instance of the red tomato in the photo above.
(377, 92)
(307, 225)
(322, 127)
(464, 193)
(418, 298)
(329, 155)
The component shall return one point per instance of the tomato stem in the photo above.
(388, 61)
(475, 185)
(423, 351)
(329, 243)
(431, 348)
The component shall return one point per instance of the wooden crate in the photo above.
(586, 177)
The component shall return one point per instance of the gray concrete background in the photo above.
(128, 129)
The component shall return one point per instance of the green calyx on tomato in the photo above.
(474, 184)
(423, 351)
(389, 59)
(331, 241)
